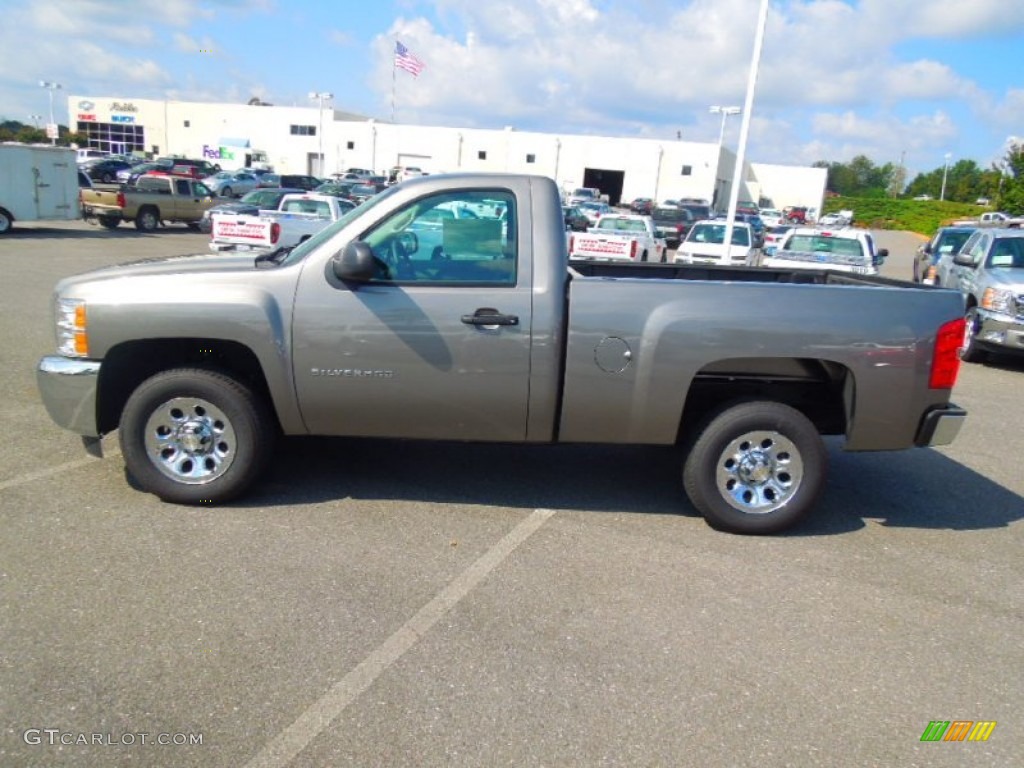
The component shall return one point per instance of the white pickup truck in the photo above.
(842, 250)
(298, 218)
(619, 237)
(992, 219)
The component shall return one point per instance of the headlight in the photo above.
(996, 300)
(72, 339)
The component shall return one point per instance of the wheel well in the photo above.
(819, 389)
(129, 364)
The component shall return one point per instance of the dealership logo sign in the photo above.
(86, 106)
(122, 118)
(119, 106)
(87, 118)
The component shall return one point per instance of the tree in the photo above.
(858, 178)
(1010, 196)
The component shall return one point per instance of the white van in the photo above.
(89, 153)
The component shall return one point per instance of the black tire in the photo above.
(147, 219)
(193, 436)
(194, 226)
(755, 468)
(6, 221)
(643, 256)
(108, 178)
(109, 222)
(970, 352)
(226, 192)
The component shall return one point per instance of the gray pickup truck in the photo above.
(989, 271)
(395, 322)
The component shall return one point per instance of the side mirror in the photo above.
(355, 263)
(963, 259)
(881, 256)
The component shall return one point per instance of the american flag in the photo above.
(405, 60)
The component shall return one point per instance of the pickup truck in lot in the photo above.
(478, 329)
(298, 217)
(152, 200)
(705, 244)
(619, 237)
(843, 250)
(989, 271)
(992, 219)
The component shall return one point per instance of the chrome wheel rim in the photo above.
(759, 472)
(190, 440)
(968, 330)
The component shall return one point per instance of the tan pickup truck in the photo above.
(152, 200)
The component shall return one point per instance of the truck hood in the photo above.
(169, 265)
(1012, 279)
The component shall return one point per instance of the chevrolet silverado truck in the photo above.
(477, 328)
(992, 219)
(619, 236)
(297, 218)
(843, 250)
(989, 271)
(149, 202)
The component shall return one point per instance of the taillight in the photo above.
(946, 357)
(120, 200)
(632, 250)
(275, 232)
(572, 241)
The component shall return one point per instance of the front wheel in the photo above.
(969, 352)
(226, 192)
(755, 468)
(193, 436)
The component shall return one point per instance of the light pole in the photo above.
(51, 87)
(945, 170)
(35, 119)
(725, 112)
(321, 97)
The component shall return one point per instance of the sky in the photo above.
(908, 81)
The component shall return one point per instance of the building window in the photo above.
(481, 155)
(531, 158)
(687, 170)
(303, 130)
(350, 145)
(188, 123)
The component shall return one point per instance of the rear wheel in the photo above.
(226, 192)
(755, 468)
(6, 222)
(147, 220)
(193, 436)
(109, 222)
(108, 178)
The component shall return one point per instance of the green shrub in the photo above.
(922, 216)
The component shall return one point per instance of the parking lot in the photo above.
(381, 603)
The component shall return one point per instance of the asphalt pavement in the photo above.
(376, 603)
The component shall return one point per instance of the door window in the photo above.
(463, 238)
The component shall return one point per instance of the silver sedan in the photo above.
(231, 183)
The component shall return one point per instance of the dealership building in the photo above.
(320, 142)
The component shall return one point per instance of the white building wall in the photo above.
(648, 167)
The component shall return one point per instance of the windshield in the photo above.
(715, 234)
(670, 215)
(1007, 253)
(821, 244)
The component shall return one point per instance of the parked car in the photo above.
(231, 183)
(152, 201)
(772, 217)
(989, 271)
(360, 193)
(104, 169)
(250, 205)
(773, 236)
(947, 240)
(642, 205)
(672, 224)
(796, 214)
(339, 188)
(131, 175)
(627, 237)
(299, 181)
(705, 244)
(836, 219)
(594, 211)
(575, 219)
(193, 169)
(843, 250)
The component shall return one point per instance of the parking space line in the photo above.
(311, 723)
(60, 468)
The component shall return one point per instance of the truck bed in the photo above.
(734, 274)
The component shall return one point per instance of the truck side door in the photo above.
(437, 344)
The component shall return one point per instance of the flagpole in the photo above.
(394, 66)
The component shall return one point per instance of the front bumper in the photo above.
(68, 389)
(940, 425)
(1001, 332)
